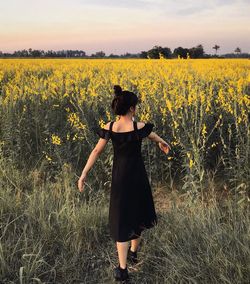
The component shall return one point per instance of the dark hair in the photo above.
(123, 100)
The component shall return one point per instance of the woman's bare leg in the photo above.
(135, 243)
(122, 248)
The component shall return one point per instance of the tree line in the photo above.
(156, 52)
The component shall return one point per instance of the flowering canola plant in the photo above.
(178, 96)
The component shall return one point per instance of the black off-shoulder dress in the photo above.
(131, 208)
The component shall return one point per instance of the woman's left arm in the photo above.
(164, 146)
(156, 138)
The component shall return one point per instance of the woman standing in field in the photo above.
(131, 207)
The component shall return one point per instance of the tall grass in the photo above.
(51, 233)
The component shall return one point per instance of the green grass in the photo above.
(51, 233)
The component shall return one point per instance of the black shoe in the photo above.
(132, 256)
(121, 274)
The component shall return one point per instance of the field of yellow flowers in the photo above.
(50, 109)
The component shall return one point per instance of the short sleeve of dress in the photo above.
(103, 133)
(146, 129)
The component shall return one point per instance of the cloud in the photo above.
(192, 7)
(193, 10)
(117, 3)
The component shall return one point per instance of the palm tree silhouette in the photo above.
(216, 47)
(237, 50)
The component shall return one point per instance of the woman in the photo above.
(131, 204)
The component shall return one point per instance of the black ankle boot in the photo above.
(132, 256)
(121, 274)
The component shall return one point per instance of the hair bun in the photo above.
(118, 90)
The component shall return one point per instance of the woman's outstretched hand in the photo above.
(81, 182)
(164, 147)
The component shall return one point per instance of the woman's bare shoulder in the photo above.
(140, 124)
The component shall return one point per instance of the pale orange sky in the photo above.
(125, 25)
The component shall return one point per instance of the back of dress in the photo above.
(131, 207)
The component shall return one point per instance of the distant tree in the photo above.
(130, 55)
(17, 53)
(25, 53)
(182, 52)
(157, 50)
(216, 47)
(113, 55)
(36, 53)
(166, 52)
(154, 52)
(135, 55)
(125, 55)
(82, 53)
(98, 54)
(29, 51)
(143, 54)
(237, 50)
(21, 53)
(196, 52)
(51, 53)
(233, 55)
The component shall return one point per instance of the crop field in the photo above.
(49, 112)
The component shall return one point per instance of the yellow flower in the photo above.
(108, 115)
(161, 56)
(74, 120)
(213, 145)
(48, 158)
(204, 131)
(175, 124)
(56, 139)
(75, 137)
(101, 123)
(169, 105)
(239, 119)
(191, 163)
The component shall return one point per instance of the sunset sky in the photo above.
(124, 25)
